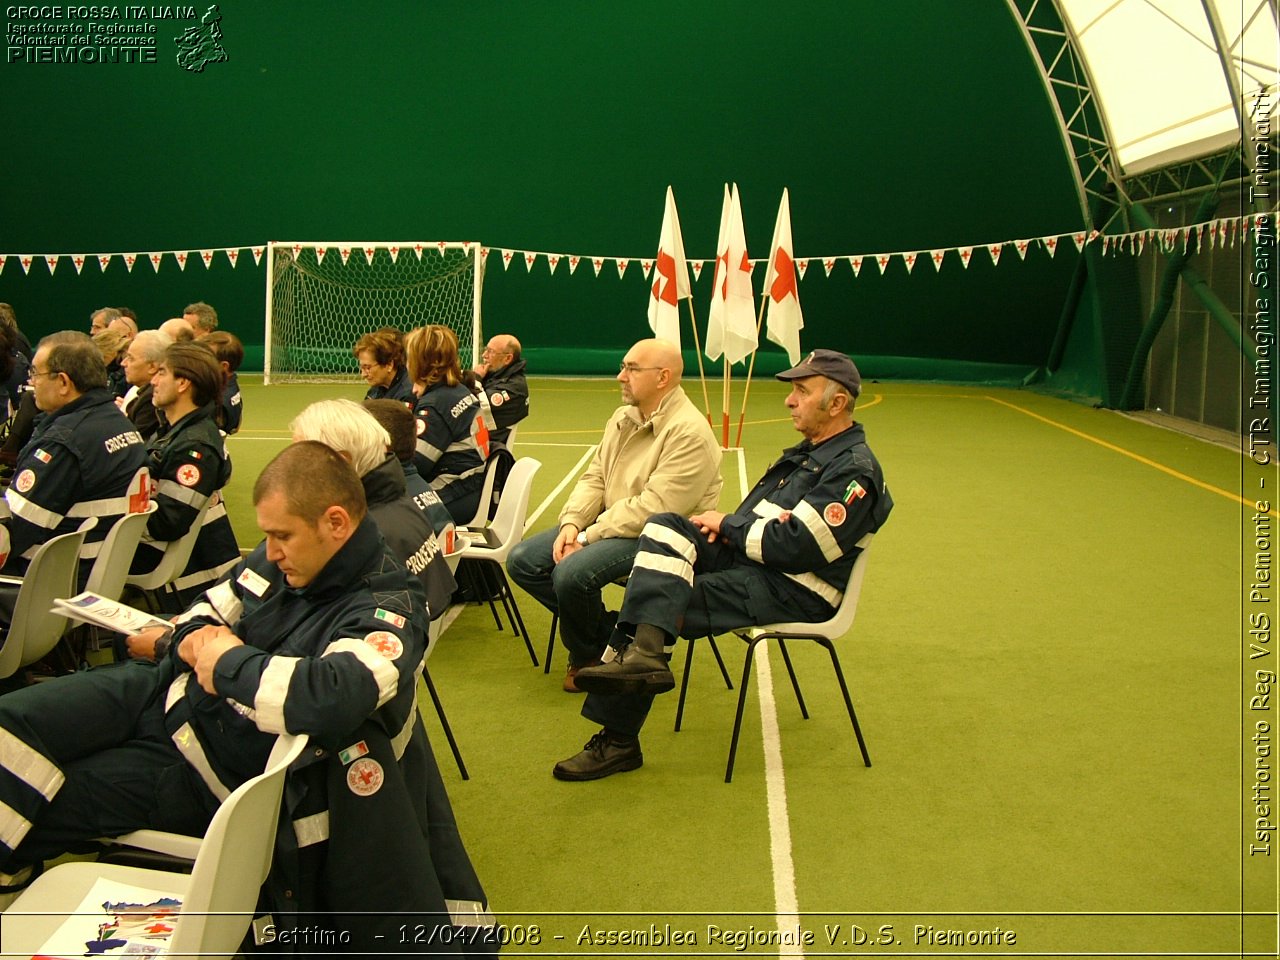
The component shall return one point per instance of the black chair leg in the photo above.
(513, 612)
(795, 684)
(444, 722)
(551, 643)
(848, 702)
(742, 702)
(684, 680)
(720, 662)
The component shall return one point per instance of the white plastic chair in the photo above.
(506, 531)
(511, 439)
(824, 633)
(111, 566)
(174, 559)
(220, 895)
(51, 575)
(481, 519)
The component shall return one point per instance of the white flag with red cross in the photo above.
(671, 284)
(731, 322)
(784, 319)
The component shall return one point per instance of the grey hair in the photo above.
(347, 427)
(151, 345)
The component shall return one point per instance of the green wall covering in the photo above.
(557, 127)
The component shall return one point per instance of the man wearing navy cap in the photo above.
(785, 554)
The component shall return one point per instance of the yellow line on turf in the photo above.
(1235, 497)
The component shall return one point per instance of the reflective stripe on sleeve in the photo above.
(176, 491)
(273, 691)
(814, 523)
(385, 675)
(427, 450)
(203, 576)
(754, 547)
(32, 512)
(223, 603)
(816, 584)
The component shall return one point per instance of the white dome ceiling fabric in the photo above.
(1160, 70)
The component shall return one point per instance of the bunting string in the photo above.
(1222, 233)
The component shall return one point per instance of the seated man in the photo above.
(141, 361)
(189, 467)
(504, 391)
(230, 353)
(785, 554)
(657, 455)
(351, 430)
(399, 422)
(318, 631)
(85, 459)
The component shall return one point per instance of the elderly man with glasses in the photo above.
(504, 391)
(657, 455)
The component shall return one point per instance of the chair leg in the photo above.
(684, 679)
(795, 684)
(513, 612)
(720, 662)
(848, 702)
(551, 643)
(444, 722)
(742, 703)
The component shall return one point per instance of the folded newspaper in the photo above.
(109, 614)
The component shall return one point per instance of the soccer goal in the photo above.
(322, 297)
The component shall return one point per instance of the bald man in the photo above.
(658, 455)
(504, 391)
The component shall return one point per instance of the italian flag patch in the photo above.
(389, 617)
(854, 492)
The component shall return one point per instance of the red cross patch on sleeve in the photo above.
(188, 474)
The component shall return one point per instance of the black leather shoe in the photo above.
(603, 754)
(631, 672)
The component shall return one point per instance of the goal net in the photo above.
(322, 297)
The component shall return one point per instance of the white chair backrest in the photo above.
(511, 440)
(111, 566)
(842, 620)
(508, 522)
(481, 519)
(233, 861)
(175, 557)
(50, 575)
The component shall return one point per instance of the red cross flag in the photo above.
(671, 285)
(785, 319)
(731, 323)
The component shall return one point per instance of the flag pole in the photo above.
(746, 391)
(702, 373)
(725, 410)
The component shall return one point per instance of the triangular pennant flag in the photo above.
(696, 267)
(1050, 244)
(1186, 238)
(297, 251)
(1106, 245)
(802, 264)
(78, 260)
(368, 255)
(529, 258)
(1231, 232)
(506, 258)
(553, 261)
(129, 260)
(994, 249)
(910, 260)
(393, 253)
(345, 254)
(966, 254)
(207, 257)
(233, 254)
(1078, 238)
(155, 259)
(466, 247)
(257, 256)
(828, 264)
(596, 264)
(25, 260)
(574, 260)
(856, 263)
(484, 256)
(646, 267)
(104, 261)
(882, 261)
(442, 244)
(417, 248)
(3, 258)
(320, 252)
(936, 256)
(181, 257)
(52, 260)
(1021, 247)
(1142, 242)
(1093, 235)
(622, 267)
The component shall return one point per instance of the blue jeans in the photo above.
(571, 588)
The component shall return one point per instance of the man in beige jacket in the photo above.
(658, 455)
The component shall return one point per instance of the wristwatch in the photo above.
(582, 538)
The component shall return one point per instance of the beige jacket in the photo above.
(671, 464)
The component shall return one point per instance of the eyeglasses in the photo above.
(366, 367)
(633, 368)
(32, 373)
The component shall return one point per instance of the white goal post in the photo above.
(322, 297)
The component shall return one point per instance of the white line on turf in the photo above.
(784, 875)
(550, 497)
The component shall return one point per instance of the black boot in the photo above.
(603, 754)
(640, 668)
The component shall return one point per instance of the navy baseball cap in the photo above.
(830, 364)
